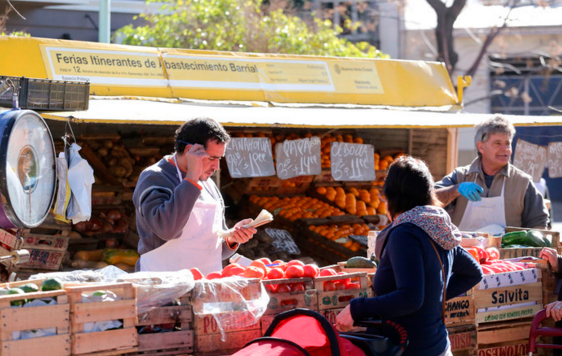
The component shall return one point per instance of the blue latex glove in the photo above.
(471, 191)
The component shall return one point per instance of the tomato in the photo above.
(259, 264)
(311, 271)
(297, 287)
(271, 288)
(473, 252)
(283, 288)
(329, 286)
(237, 271)
(280, 264)
(266, 261)
(340, 285)
(197, 275)
(487, 270)
(482, 254)
(344, 281)
(327, 272)
(275, 273)
(295, 262)
(214, 275)
(226, 271)
(353, 285)
(253, 272)
(294, 271)
(493, 253)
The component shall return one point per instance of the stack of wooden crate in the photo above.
(505, 306)
(178, 341)
(237, 324)
(461, 324)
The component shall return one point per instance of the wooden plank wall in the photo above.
(432, 145)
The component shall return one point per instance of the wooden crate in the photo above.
(511, 348)
(460, 311)
(530, 251)
(462, 338)
(37, 317)
(177, 342)
(502, 332)
(548, 284)
(331, 314)
(487, 300)
(280, 302)
(233, 342)
(340, 298)
(43, 260)
(109, 342)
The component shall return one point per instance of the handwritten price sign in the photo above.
(298, 158)
(250, 157)
(352, 161)
(530, 158)
(555, 159)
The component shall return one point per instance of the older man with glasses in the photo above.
(180, 211)
(491, 193)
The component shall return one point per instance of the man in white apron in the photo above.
(180, 211)
(491, 193)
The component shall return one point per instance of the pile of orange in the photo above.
(334, 232)
(297, 207)
(355, 201)
(326, 143)
(382, 164)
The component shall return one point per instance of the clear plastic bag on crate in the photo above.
(106, 274)
(234, 302)
(155, 289)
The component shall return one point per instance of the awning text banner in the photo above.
(117, 70)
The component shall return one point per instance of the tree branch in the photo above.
(456, 8)
(438, 6)
(489, 39)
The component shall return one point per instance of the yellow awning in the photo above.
(118, 70)
(174, 112)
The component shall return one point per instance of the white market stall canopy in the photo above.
(158, 112)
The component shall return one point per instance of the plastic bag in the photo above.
(106, 274)
(80, 180)
(234, 302)
(155, 289)
(63, 191)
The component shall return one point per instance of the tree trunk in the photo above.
(446, 17)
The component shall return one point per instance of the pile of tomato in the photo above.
(489, 259)
(278, 270)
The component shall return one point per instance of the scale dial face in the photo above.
(30, 169)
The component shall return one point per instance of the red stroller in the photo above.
(303, 332)
(537, 331)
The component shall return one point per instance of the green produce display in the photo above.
(360, 262)
(29, 288)
(51, 284)
(531, 238)
(16, 303)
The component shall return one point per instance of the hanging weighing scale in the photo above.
(27, 169)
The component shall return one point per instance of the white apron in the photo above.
(488, 211)
(199, 245)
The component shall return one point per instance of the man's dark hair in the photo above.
(199, 131)
(408, 184)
